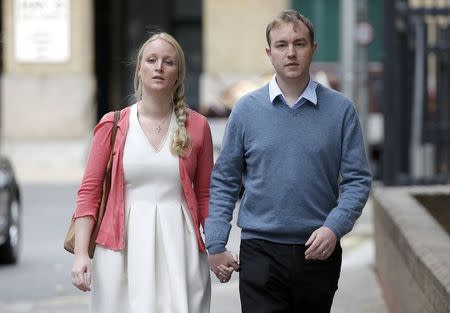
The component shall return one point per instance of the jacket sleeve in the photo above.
(203, 173)
(89, 193)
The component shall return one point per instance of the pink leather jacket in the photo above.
(195, 173)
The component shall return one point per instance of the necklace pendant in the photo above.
(158, 129)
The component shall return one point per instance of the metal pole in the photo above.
(362, 77)
(391, 110)
(416, 149)
(347, 46)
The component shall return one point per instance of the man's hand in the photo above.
(321, 244)
(223, 264)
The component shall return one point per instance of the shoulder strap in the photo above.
(106, 188)
(114, 130)
(113, 139)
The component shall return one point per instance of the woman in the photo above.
(150, 256)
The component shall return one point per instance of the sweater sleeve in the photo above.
(356, 179)
(226, 181)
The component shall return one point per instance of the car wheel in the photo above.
(9, 251)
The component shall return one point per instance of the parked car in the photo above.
(10, 214)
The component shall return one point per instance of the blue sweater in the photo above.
(302, 168)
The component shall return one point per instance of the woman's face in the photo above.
(158, 69)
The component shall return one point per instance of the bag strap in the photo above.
(106, 187)
(113, 139)
(114, 130)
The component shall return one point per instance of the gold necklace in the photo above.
(158, 125)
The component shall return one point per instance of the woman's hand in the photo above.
(223, 264)
(224, 273)
(81, 269)
(81, 272)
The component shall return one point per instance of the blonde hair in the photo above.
(180, 140)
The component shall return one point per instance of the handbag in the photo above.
(69, 241)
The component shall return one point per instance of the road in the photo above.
(41, 283)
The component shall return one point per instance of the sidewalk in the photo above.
(359, 290)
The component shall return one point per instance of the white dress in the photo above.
(161, 270)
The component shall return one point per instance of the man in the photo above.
(298, 147)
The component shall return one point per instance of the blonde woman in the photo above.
(150, 256)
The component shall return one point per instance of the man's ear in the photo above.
(315, 46)
(268, 52)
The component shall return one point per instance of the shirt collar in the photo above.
(309, 93)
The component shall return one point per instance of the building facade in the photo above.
(65, 63)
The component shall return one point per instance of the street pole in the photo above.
(347, 46)
(363, 37)
(416, 150)
(356, 35)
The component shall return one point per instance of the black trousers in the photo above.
(276, 278)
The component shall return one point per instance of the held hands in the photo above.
(223, 264)
(81, 272)
(321, 244)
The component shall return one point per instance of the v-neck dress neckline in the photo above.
(144, 136)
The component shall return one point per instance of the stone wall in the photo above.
(234, 42)
(48, 106)
(413, 248)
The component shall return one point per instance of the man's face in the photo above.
(291, 50)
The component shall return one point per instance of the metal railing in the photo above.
(416, 147)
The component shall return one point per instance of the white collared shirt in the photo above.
(308, 94)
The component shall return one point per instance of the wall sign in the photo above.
(41, 31)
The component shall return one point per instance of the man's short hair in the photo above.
(290, 16)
